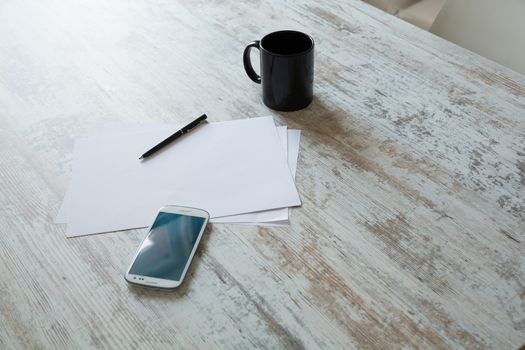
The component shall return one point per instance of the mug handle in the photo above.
(248, 63)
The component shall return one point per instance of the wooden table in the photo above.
(411, 172)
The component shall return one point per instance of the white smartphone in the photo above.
(164, 256)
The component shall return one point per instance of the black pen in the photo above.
(175, 136)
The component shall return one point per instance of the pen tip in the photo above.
(141, 157)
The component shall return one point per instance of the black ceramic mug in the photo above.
(287, 69)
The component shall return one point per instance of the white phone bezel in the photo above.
(153, 282)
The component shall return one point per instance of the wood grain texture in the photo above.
(411, 173)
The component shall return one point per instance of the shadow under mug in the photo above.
(287, 69)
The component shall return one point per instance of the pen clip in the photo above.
(192, 125)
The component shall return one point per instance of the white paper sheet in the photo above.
(275, 217)
(227, 168)
(267, 215)
(289, 140)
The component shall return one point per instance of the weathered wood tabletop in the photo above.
(411, 172)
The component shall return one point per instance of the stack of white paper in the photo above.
(239, 171)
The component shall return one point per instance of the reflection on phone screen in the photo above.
(166, 250)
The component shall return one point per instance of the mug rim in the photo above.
(291, 54)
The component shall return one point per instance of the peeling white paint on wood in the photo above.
(411, 172)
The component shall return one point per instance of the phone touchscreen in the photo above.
(166, 250)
